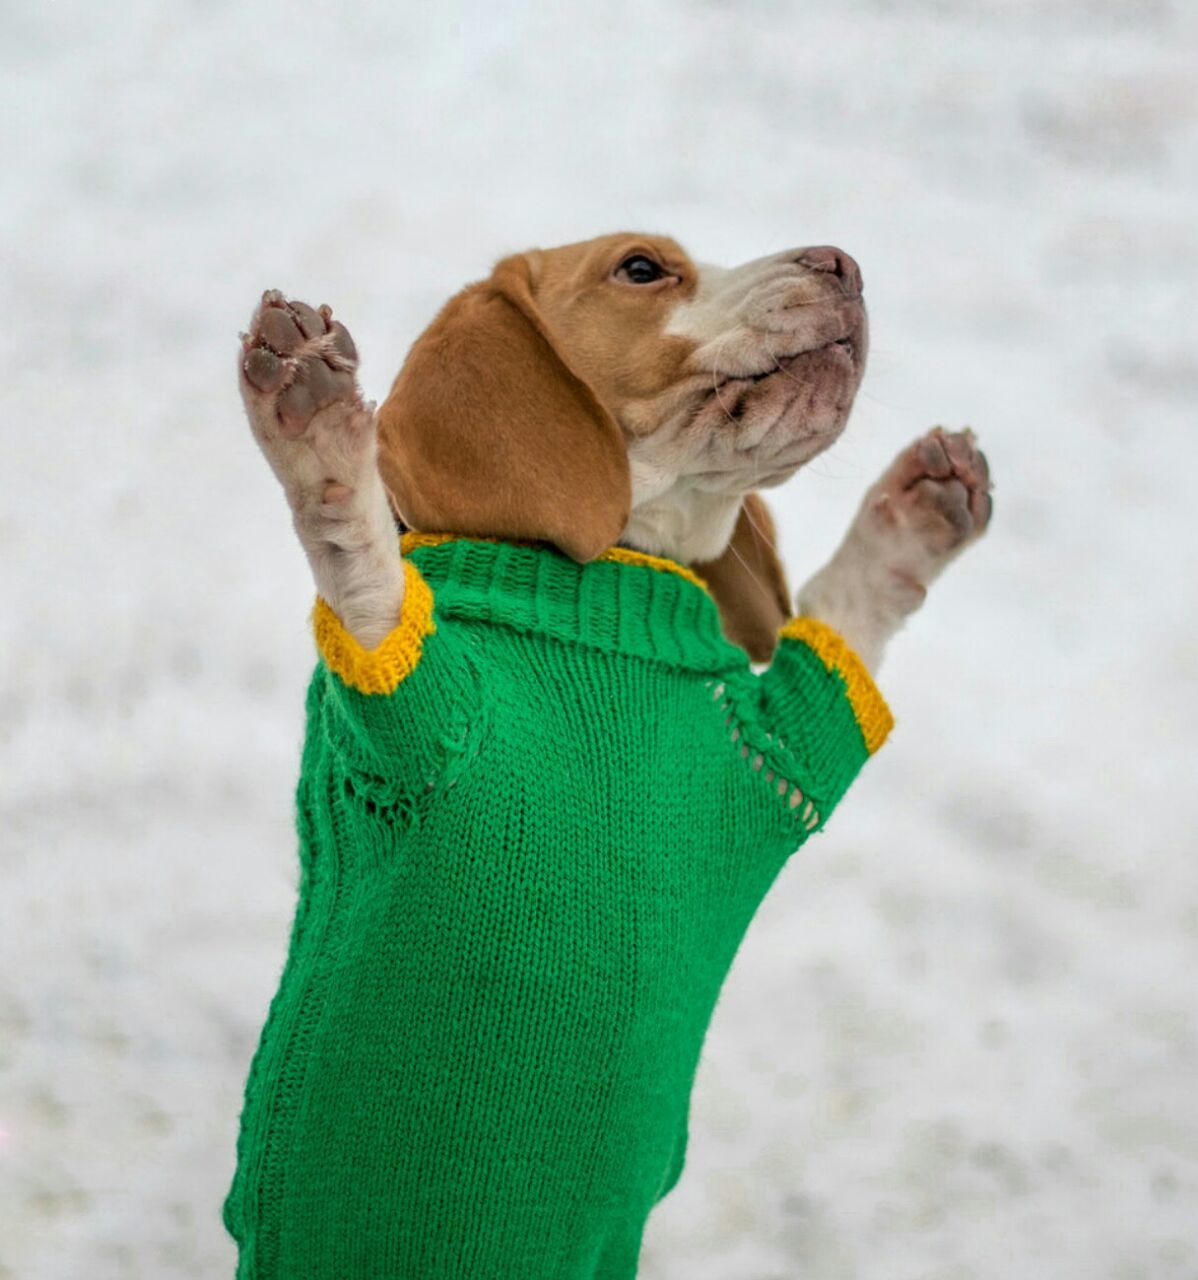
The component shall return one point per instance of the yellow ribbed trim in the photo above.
(381, 669)
(411, 540)
(625, 555)
(620, 555)
(869, 707)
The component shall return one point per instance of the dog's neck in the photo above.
(686, 524)
(682, 524)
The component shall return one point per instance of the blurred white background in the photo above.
(961, 1040)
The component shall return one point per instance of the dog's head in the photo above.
(615, 391)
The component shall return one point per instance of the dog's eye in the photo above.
(639, 270)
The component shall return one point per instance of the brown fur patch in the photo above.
(749, 583)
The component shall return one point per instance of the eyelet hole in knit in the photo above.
(809, 816)
(392, 812)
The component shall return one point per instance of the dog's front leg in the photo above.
(297, 376)
(931, 503)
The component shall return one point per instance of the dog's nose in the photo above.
(826, 257)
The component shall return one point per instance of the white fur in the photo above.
(878, 577)
(930, 503)
(670, 515)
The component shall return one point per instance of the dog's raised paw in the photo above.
(297, 372)
(937, 491)
(931, 502)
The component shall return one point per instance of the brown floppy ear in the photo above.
(749, 583)
(488, 431)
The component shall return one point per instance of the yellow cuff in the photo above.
(869, 707)
(381, 669)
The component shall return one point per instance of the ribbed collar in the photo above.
(622, 602)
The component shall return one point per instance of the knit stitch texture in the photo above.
(534, 825)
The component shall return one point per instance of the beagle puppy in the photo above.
(480, 1058)
(601, 393)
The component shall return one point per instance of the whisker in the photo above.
(756, 580)
(757, 530)
(887, 404)
(749, 515)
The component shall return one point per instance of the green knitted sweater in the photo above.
(534, 824)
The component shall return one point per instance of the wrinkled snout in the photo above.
(829, 260)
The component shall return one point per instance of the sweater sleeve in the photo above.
(825, 713)
(406, 710)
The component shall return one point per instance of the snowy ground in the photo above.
(961, 1041)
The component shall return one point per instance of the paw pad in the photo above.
(942, 485)
(300, 357)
